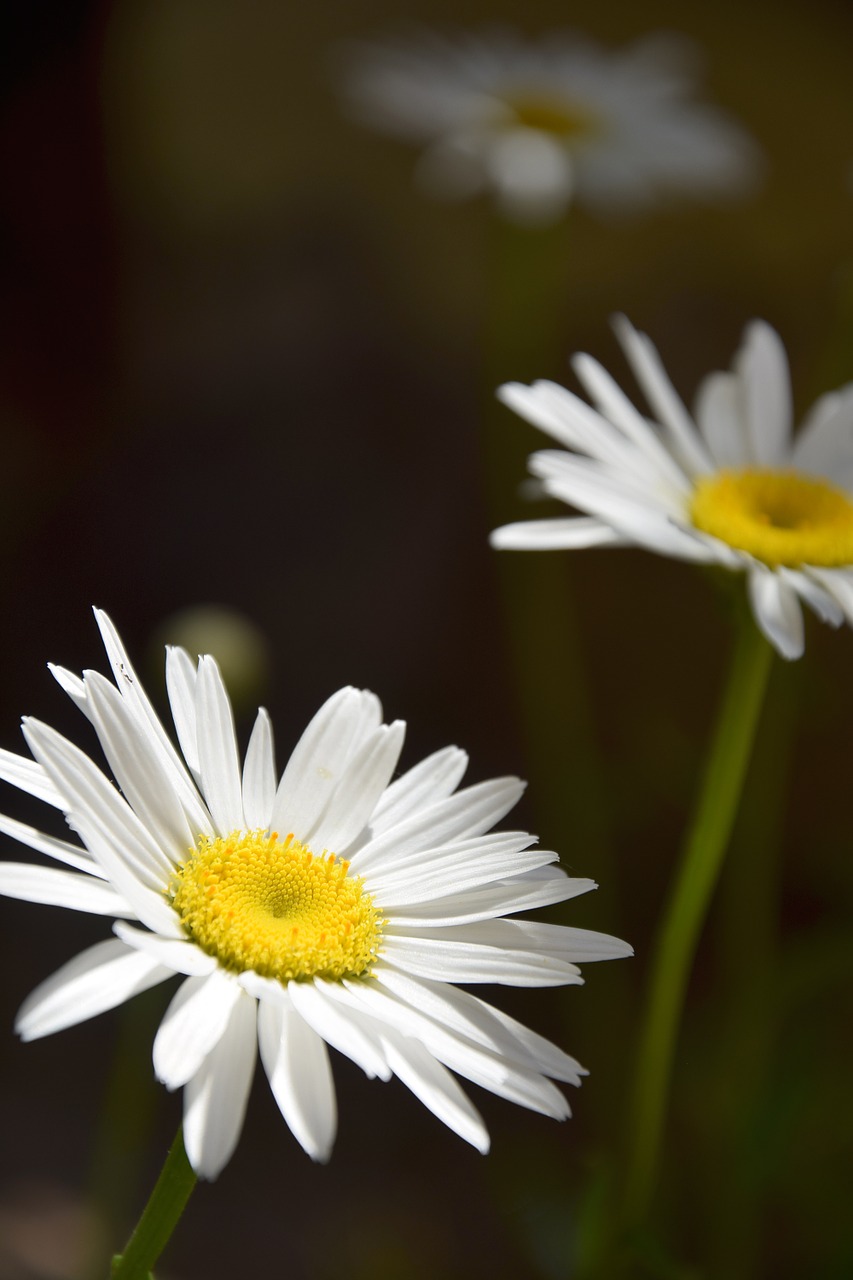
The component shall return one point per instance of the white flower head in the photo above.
(543, 124)
(330, 906)
(729, 486)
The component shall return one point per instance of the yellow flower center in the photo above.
(777, 516)
(255, 901)
(550, 114)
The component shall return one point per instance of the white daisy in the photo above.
(730, 486)
(542, 124)
(330, 907)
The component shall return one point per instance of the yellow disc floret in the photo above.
(550, 114)
(779, 517)
(255, 901)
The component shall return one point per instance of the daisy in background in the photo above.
(330, 906)
(729, 486)
(542, 124)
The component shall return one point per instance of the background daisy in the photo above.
(542, 123)
(733, 488)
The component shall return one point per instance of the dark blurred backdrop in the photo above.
(243, 362)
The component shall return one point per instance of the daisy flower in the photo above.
(729, 486)
(332, 906)
(542, 124)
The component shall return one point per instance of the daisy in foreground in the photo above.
(542, 124)
(332, 906)
(728, 486)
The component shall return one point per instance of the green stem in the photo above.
(524, 332)
(748, 925)
(688, 905)
(129, 1104)
(159, 1217)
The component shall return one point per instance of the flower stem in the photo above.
(688, 905)
(524, 327)
(159, 1217)
(748, 919)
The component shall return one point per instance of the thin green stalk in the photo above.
(130, 1100)
(748, 925)
(159, 1217)
(524, 338)
(687, 908)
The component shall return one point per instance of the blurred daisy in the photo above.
(330, 907)
(544, 124)
(729, 486)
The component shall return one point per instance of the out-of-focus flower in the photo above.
(330, 907)
(542, 124)
(729, 487)
(239, 646)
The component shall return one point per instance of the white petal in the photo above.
(318, 759)
(469, 962)
(566, 533)
(137, 868)
(219, 761)
(364, 779)
(132, 691)
(548, 1057)
(613, 404)
(762, 366)
(713, 550)
(215, 1099)
(485, 902)
(560, 941)
(339, 1027)
(259, 780)
(491, 1070)
(621, 480)
(820, 601)
(575, 424)
(720, 417)
(442, 876)
(269, 989)
(466, 813)
(57, 888)
(181, 955)
(95, 980)
(193, 1024)
(141, 773)
(838, 584)
(28, 775)
(432, 779)
(60, 850)
(467, 1016)
(370, 718)
(296, 1061)
(777, 612)
(89, 793)
(564, 416)
(181, 677)
(420, 858)
(436, 1088)
(643, 520)
(666, 404)
(824, 443)
(532, 174)
(72, 685)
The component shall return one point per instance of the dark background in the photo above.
(244, 362)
